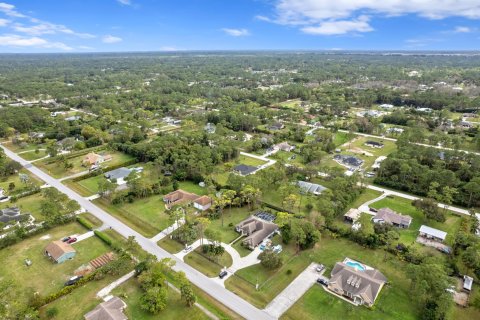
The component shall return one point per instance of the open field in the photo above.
(367, 195)
(32, 155)
(57, 170)
(86, 187)
(204, 265)
(19, 148)
(170, 245)
(249, 161)
(44, 275)
(19, 185)
(147, 215)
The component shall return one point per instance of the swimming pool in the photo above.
(355, 265)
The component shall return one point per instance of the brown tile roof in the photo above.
(179, 196)
(58, 248)
(203, 200)
(108, 310)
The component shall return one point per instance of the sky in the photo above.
(173, 25)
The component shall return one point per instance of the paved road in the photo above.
(212, 288)
(410, 197)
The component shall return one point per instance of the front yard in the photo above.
(209, 268)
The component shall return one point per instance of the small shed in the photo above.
(467, 283)
(60, 251)
(432, 233)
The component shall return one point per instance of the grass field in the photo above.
(17, 148)
(367, 195)
(209, 268)
(341, 138)
(359, 144)
(249, 161)
(170, 245)
(404, 206)
(43, 275)
(32, 155)
(19, 186)
(146, 216)
(57, 170)
(92, 219)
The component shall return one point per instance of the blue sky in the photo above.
(163, 25)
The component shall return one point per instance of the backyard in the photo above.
(44, 275)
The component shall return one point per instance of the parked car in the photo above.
(72, 240)
(323, 282)
(187, 249)
(66, 239)
(223, 274)
(73, 280)
(320, 268)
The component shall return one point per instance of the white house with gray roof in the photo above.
(313, 188)
(432, 233)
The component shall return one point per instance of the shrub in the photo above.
(51, 312)
(84, 222)
(289, 272)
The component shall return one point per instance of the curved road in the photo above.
(214, 289)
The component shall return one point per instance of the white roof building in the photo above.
(432, 233)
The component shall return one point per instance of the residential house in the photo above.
(60, 251)
(313, 188)
(378, 162)
(120, 174)
(8, 215)
(285, 146)
(203, 203)
(348, 161)
(73, 118)
(388, 216)
(432, 233)
(256, 231)
(93, 159)
(395, 130)
(356, 283)
(276, 126)
(179, 196)
(109, 310)
(244, 170)
(374, 144)
(386, 106)
(465, 124)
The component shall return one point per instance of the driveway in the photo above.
(295, 290)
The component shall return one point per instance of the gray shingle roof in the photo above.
(118, 173)
(244, 170)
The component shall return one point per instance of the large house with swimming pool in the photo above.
(357, 282)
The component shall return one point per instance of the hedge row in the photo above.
(101, 171)
(84, 222)
(66, 290)
(104, 237)
(25, 194)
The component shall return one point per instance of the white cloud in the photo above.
(49, 28)
(460, 29)
(125, 2)
(111, 39)
(169, 48)
(9, 10)
(12, 40)
(340, 27)
(4, 22)
(325, 17)
(236, 32)
(263, 18)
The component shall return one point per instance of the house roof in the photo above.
(353, 214)
(276, 125)
(244, 170)
(58, 248)
(374, 143)
(108, 310)
(366, 284)
(203, 200)
(349, 160)
(11, 214)
(285, 146)
(256, 229)
(179, 195)
(311, 187)
(433, 232)
(391, 217)
(118, 173)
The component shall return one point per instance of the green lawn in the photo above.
(209, 268)
(17, 148)
(341, 138)
(32, 155)
(92, 219)
(367, 195)
(43, 275)
(359, 143)
(19, 186)
(30, 204)
(404, 206)
(192, 187)
(146, 216)
(249, 161)
(57, 170)
(243, 251)
(170, 245)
